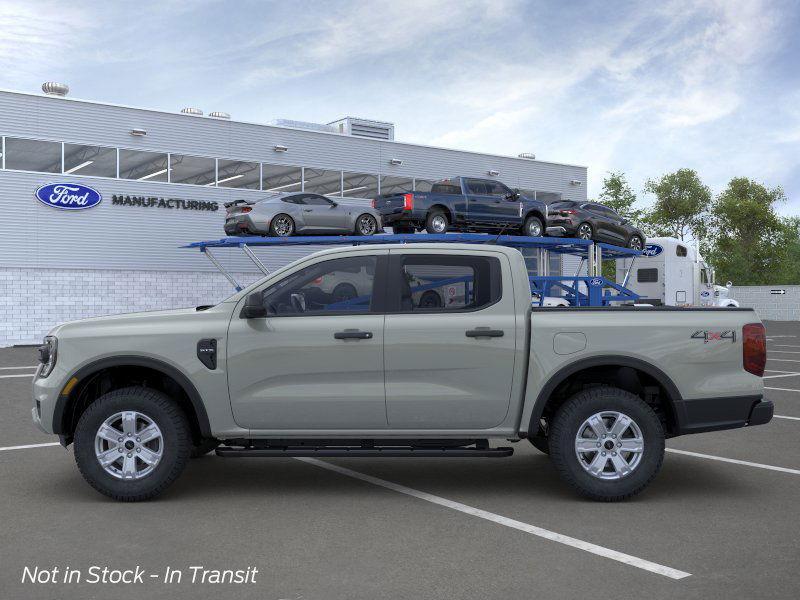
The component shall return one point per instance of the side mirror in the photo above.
(729, 285)
(512, 196)
(254, 307)
(334, 204)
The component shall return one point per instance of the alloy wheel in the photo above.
(282, 226)
(439, 223)
(585, 231)
(129, 445)
(367, 225)
(635, 243)
(534, 228)
(609, 445)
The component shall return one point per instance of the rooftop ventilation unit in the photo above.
(219, 115)
(376, 130)
(192, 111)
(51, 88)
(527, 155)
(303, 125)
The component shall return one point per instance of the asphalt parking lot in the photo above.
(720, 521)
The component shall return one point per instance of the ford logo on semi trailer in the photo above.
(68, 196)
(652, 250)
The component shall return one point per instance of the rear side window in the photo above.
(681, 250)
(647, 275)
(443, 283)
(446, 186)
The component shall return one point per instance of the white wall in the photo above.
(769, 306)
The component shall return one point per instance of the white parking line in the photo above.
(781, 336)
(783, 359)
(29, 446)
(735, 461)
(781, 389)
(21, 375)
(777, 371)
(17, 368)
(784, 375)
(786, 417)
(783, 352)
(785, 346)
(519, 525)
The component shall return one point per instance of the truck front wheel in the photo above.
(131, 443)
(607, 443)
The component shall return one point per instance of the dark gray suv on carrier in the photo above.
(593, 221)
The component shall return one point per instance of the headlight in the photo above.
(48, 352)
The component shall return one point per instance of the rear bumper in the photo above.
(714, 414)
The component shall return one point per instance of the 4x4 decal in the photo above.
(714, 336)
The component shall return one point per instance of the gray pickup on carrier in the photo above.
(287, 367)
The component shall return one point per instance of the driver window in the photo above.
(477, 187)
(495, 188)
(317, 200)
(338, 286)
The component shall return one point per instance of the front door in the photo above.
(479, 202)
(449, 340)
(324, 215)
(316, 361)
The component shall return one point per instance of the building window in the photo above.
(423, 185)
(360, 185)
(396, 185)
(194, 170)
(96, 161)
(322, 181)
(33, 155)
(237, 174)
(144, 166)
(280, 178)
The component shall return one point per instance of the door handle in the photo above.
(308, 210)
(484, 332)
(353, 335)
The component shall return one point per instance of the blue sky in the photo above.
(644, 88)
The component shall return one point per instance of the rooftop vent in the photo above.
(527, 155)
(51, 88)
(303, 125)
(192, 111)
(219, 115)
(377, 130)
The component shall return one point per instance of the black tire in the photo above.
(278, 231)
(533, 227)
(205, 446)
(359, 230)
(565, 429)
(584, 227)
(403, 228)
(541, 443)
(435, 217)
(430, 299)
(636, 242)
(169, 418)
(344, 292)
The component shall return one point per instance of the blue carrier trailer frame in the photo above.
(592, 289)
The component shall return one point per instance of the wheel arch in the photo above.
(443, 207)
(115, 372)
(626, 372)
(535, 212)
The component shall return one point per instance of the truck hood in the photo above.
(126, 318)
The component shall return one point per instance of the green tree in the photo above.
(750, 243)
(681, 206)
(618, 195)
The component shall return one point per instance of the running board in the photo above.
(387, 452)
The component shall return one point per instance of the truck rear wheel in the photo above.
(607, 443)
(437, 222)
(132, 443)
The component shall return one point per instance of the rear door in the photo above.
(449, 363)
(480, 203)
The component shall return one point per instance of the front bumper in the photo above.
(714, 414)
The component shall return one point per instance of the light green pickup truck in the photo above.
(286, 368)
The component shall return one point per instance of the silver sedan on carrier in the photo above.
(287, 214)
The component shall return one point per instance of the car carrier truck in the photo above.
(670, 272)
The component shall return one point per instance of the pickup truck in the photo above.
(286, 368)
(464, 204)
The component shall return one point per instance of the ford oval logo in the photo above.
(68, 196)
(595, 282)
(652, 250)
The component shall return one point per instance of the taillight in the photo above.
(246, 209)
(373, 203)
(408, 201)
(754, 348)
(566, 213)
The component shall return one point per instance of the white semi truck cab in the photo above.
(670, 272)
